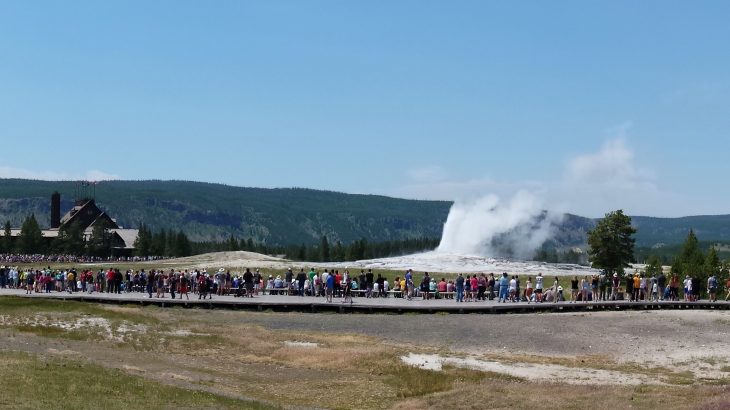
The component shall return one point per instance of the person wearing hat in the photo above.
(615, 282)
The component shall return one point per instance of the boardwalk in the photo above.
(365, 305)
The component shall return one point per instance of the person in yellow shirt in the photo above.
(637, 285)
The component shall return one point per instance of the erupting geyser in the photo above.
(490, 227)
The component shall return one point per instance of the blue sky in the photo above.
(590, 105)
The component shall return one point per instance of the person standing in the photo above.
(712, 288)
(329, 288)
(248, 279)
(173, 284)
(584, 285)
(662, 282)
(426, 286)
(184, 284)
(528, 289)
(460, 288)
(301, 278)
(348, 290)
(538, 287)
(503, 288)
(615, 282)
(150, 282)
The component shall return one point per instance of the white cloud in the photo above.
(44, 175)
(592, 184)
(613, 167)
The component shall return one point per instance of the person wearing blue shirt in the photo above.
(503, 287)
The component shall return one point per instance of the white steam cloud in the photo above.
(490, 227)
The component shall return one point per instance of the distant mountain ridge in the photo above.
(207, 211)
(284, 216)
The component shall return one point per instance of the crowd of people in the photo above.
(332, 284)
(16, 258)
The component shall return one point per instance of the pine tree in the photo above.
(182, 245)
(7, 242)
(612, 243)
(159, 240)
(338, 252)
(100, 243)
(71, 240)
(31, 237)
(143, 243)
(653, 266)
(690, 260)
(233, 244)
(324, 250)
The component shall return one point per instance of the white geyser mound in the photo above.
(490, 227)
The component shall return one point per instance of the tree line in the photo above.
(323, 251)
(611, 248)
(72, 240)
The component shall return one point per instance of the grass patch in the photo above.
(86, 386)
(14, 305)
(409, 381)
(55, 332)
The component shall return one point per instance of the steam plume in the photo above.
(490, 227)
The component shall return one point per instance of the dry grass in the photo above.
(219, 353)
(517, 395)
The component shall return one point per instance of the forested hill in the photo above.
(288, 216)
(651, 231)
(208, 211)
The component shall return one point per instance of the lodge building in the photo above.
(86, 214)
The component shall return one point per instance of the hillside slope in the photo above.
(286, 216)
(213, 211)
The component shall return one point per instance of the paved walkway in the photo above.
(362, 304)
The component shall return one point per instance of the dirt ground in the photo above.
(301, 360)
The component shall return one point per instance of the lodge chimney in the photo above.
(55, 210)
